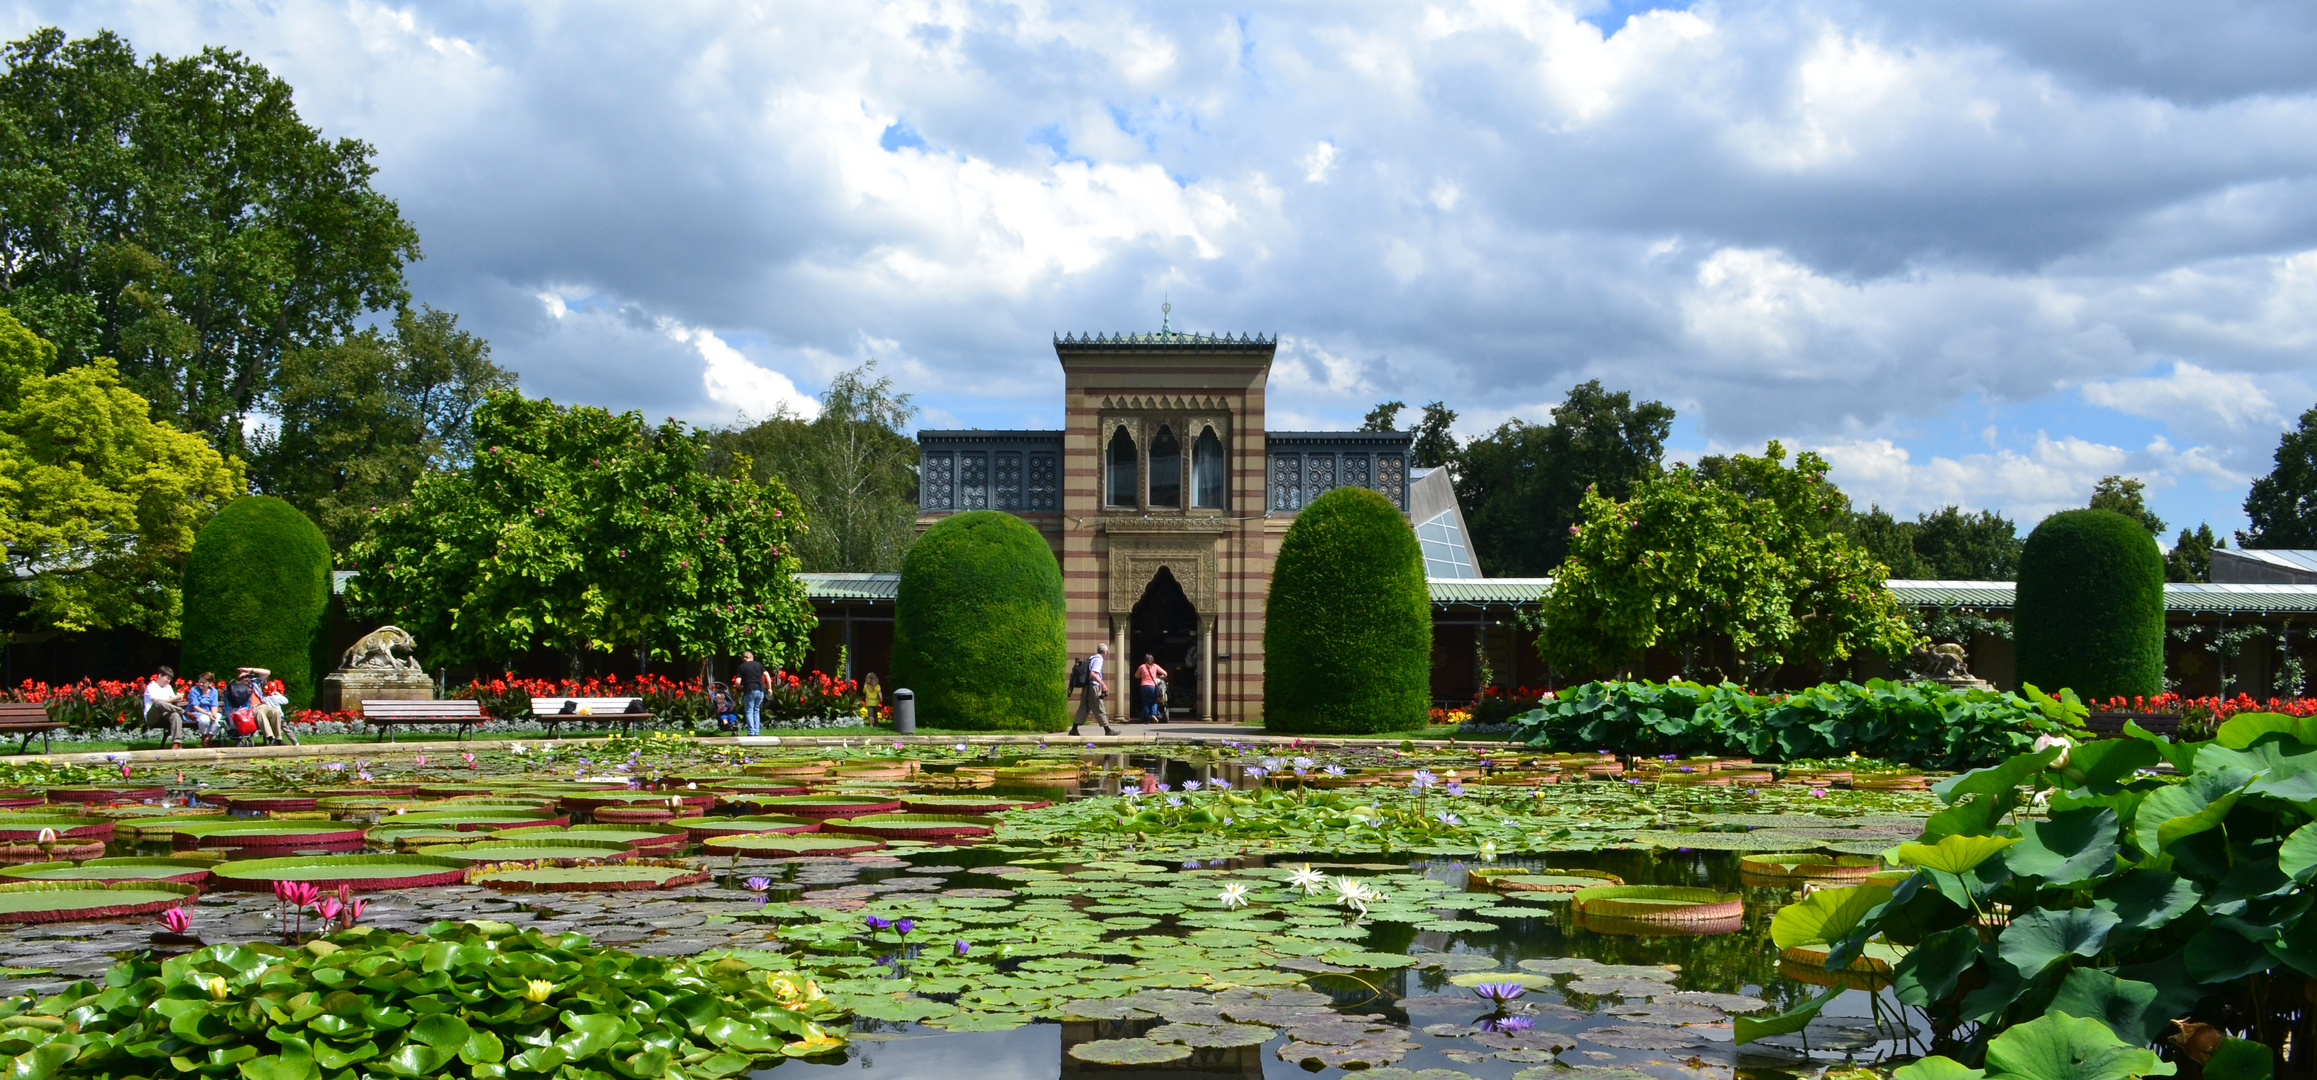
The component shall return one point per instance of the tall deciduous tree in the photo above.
(1736, 576)
(1434, 445)
(363, 418)
(2190, 559)
(2126, 495)
(1384, 417)
(852, 468)
(1946, 544)
(2282, 506)
(577, 529)
(178, 216)
(1522, 485)
(99, 503)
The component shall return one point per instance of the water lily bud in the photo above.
(537, 990)
(216, 988)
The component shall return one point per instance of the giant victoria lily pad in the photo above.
(1792, 870)
(261, 833)
(69, 901)
(703, 828)
(103, 793)
(264, 802)
(663, 800)
(66, 827)
(361, 872)
(913, 826)
(781, 846)
(468, 819)
(967, 804)
(181, 871)
(504, 851)
(635, 836)
(604, 877)
(1659, 904)
(830, 806)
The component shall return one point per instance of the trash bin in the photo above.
(904, 712)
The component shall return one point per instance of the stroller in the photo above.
(720, 703)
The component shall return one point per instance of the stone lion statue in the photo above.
(1946, 660)
(377, 649)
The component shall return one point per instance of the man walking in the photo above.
(751, 679)
(1090, 697)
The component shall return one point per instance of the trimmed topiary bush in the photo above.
(1347, 632)
(257, 594)
(978, 626)
(2090, 607)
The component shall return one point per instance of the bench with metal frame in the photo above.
(387, 714)
(31, 718)
(614, 710)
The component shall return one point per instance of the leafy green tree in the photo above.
(178, 216)
(2190, 559)
(1947, 544)
(99, 503)
(979, 626)
(1523, 484)
(2282, 505)
(576, 530)
(1347, 627)
(1736, 577)
(2126, 495)
(257, 594)
(363, 417)
(1384, 417)
(852, 468)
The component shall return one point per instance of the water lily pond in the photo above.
(1217, 911)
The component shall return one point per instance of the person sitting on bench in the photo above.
(162, 705)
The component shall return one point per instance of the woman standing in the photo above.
(1147, 677)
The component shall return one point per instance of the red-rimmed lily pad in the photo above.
(65, 826)
(699, 828)
(605, 877)
(103, 793)
(374, 791)
(1869, 971)
(634, 815)
(269, 802)
(487, 820)
(635, 836)
(20, 799)
(506, 851)
(353, 871)
(765, 786)
(23, 852)
(665, 800)
(831, 806)
(258, 833)
(913, 826)
(967, 804)
(779, 846)
(407, 837)
(789, 770)
(181, 871)
(75, 901)
(1659, 904)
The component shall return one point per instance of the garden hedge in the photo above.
(257, 594)
(2089, 613)
(1347, 632)
(978, 626)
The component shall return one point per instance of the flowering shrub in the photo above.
(1450, 717)
(1499, 704)
(87, 705)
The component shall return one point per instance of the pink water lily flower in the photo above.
(176, 920)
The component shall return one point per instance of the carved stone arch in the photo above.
(1135, 563)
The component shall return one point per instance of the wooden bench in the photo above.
(31, 718)
(549, 711)
(388, 715)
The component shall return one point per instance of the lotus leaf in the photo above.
(1826, 916)
(2041, 938)
(2057, 1046)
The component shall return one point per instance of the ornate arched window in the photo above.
(1207, 471)
(1166, 470)
(1124, 478)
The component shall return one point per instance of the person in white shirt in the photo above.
(1090, 699)
(163, 704)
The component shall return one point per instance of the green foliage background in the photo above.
(979, 631)
(1347, 632)
(2090, 614)
(257, 594)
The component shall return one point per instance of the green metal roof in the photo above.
(1954, 594)
(2240, 598)
(871, 587)
(1488, 590)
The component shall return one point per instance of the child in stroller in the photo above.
(720, 703)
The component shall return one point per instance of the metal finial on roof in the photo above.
(1166, 315)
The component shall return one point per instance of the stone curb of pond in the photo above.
(1176, 734)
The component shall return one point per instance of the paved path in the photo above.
(1128, 735)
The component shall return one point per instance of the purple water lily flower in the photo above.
(757, 884)
(1191, 785)
(1497, 993)
(962, 947)
(876, 923)
(905, 925)
(1507, 1023)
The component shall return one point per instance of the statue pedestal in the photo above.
(1967, 682)
(347, 690)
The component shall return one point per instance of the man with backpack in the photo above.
(1086, 678)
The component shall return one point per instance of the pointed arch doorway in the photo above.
(1165, 625)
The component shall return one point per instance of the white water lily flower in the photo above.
(1307, 879)
(1234, 895)
(1488, 851)
(1355, 894)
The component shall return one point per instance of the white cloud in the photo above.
(733, 380)
(2233, 399)
(2051, 474)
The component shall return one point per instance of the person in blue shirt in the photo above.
(201, 706)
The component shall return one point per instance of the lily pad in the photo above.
(1212, 1036)
(1641, 1038)
(967, 804)
(636, 836)
(603, 877)
(830, 806)
(777, 846)
(701, 828)
(543, 850)
(66, 826)
(71, 901)
(264, 833)
(913, 826)
(1659, 903)
(1129, 1052)
(181, 871)
(361, 872)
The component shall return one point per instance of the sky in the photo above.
(1980, 252)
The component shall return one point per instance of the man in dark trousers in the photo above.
(1090, 698)
(750, 676)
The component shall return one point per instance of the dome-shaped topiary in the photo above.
(1347, 632)
(257, 594)
(2090, 607)
(979, 626)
